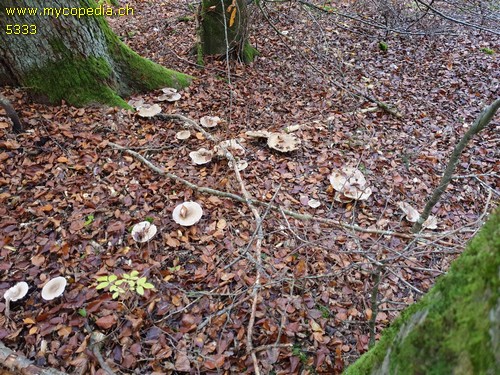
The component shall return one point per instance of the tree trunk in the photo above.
(455, 328)
(223, 30)
(73, 56)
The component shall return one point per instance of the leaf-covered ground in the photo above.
(68, 199)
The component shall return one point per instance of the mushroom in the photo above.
(202, 156)
(231, 144)
(169, 90)
(143, 231)
(258, 133)
(412, 216)
(54, 288)
(314, 203)
(14, 293)
(148, 110)
(350, 183)
(187, 213)
(169, 94)
(183, 134)
(136, 103)
(283, 142)
(240, 164)
(210, 121)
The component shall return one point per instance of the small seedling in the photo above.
(127, 282)
(383, 46)
(89, 220)
(488, 51)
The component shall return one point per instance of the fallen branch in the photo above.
(22, 365)
(479, 124)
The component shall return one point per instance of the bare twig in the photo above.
(479, 124)
(22, 365)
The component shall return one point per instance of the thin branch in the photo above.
(479, 124)
(22, 365)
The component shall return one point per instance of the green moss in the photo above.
(105, 80)
(249, 53)
(78, 81)
(458, 333)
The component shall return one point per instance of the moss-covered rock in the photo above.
(455, 328)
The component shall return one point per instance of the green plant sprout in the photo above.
(127, 282)
(89, 220)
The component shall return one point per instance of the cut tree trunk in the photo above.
(75, 58)
(223, 26)
(455, 328)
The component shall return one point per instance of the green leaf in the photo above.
(116, 294)
(120, 282)
(134, 274)
(148, 286)
(82, 312)
(140, 290)
(102, 285)
(89, 220)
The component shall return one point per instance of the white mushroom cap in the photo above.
(240, 164)
(209, 121)
(169, 90)
(258, 133)
(172, 97)
(136, 103)
(283, 142)
(202, 156)
(54, 288)
(16, 292)
(187, 213)
(183, 134)
(148, 110)
(351, 183)
(231, 145)
(143, 231)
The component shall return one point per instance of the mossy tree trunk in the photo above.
(455, 328)
(75, 58)
(223, 26)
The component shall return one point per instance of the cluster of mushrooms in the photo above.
(52, 289)
(185, 214)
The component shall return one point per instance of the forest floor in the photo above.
(68, 199)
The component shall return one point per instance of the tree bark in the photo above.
(58, 52)
(223, 26)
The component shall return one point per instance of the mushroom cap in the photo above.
(169, 90)
(231, 145)
(210, 121)
(351, 183)
(148, 110)
(412, 214)
(258, 133)
(202, 156)
(143, 231)
(54, 288)
(240, 164)
(16, 292)
(170, 97)
(187, 213)
(183, 134)
(283, 142)
(136, 103)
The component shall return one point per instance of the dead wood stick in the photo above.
(479, 124)
(22, 365)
